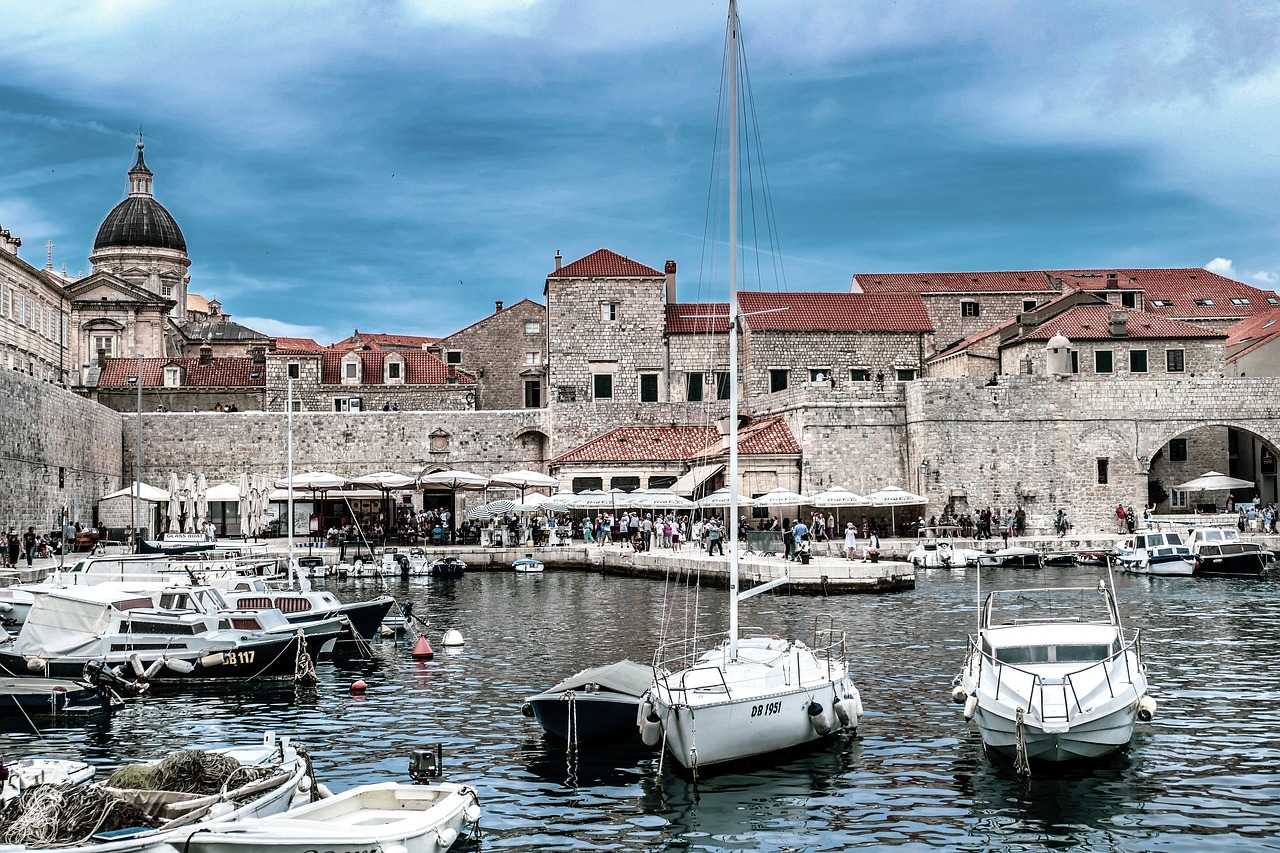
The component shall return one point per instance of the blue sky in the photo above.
(398, 166)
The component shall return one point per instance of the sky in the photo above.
(397, 166)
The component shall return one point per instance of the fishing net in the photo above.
(64, 814)
(190, 771)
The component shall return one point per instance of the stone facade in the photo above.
(1195, 356)
(507, 354)
(845, 357)
(33, 333)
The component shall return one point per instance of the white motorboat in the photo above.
(598, 703)
(1155, 552)
(1220, 552)
(1013, 557)
(936, 554)
(264, 780)
(528, 563)
(385, 816)
(748, 697)
(1052, 675)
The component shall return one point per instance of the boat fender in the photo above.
(447, 835)
(526, 710)
(970, 707)
(36, 664)
(646, 708)
(359, 686)
(385, 631)
(214, 659)
(5, 607)
(1146, 708)
(153, 669)
(182, 667)
(471, 813)
(422, 649)
(847, 712)
(304, 785)
(818, 719)
(136, 662)
(453, 637)
(651, 729)
(959, 694)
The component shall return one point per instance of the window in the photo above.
(648, 387)
(1103, 466)
(693, 387)
(1240, 300)
(1161, 303)
(1028, 305)
(662, 481)
(1177, 450)
(1137, 361)
(722, 386)
(346, 404)
(608, 311)
(627, 484)
(582, 484)
(1273, 300)
(297, 405)
(1129, 300)
(351, 371)
(1178, 500)
(906, 374)
(453, 356)
(295, 370)
(166, 290)
(1103, 361)
(602, 386)
(860, 374)
(968, 308)
(1175, 361)
(393, 370)
(819, 374)
(533, 358)
(1204, 303)
(778, 379)
(532, 394)
(172, 376)
(103, 343)
(532, 327)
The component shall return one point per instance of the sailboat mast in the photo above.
(732, 49)
(289, 467)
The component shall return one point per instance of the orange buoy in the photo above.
(422, 649)
(358, 686)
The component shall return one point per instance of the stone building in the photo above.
(183, 384)
(506, 352)
(33, 315)
(1253, 346)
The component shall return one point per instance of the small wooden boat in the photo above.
(528, 563)
(1013, 557)
(385, 816)
(599, 703)
(25, 697)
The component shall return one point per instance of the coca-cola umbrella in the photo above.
(892, 497)
(454, 481)
(316, 482)
(837, 497)
(388, 482)
(523, 480)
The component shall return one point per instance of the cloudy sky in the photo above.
(398, 166)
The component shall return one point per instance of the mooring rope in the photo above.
(1021, 764)
(305, 668)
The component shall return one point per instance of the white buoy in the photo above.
(36, 664)
(651, 729)
(447, 835)
(471, 813)
(452, 637)
(818, 718)
(971, 706)
(153, 669)
(136, 662)
(847, 712)
(214, 659)
(1146, 708)
(959, 694)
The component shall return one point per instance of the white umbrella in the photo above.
(664, 499)
(261, 488)
(246, 507)
(1214, 481)
(526, 480)
(143, 491)
(202, 501)
(387, 480)
(592, 499)
(189, 499)
(892, 497)
(781, 497)
(454, 480)
(175, 502)
(311, 481)
(545, 503)
(838, 496)
(721, 498)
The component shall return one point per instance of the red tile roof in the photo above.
(489, 317)
(1092, 323)
(691, 318)
(1010, 281)
(297, 346)
(396, 342)
(681, 443)
(224, 372)
(421, 368)
(836, 312)
(603, 263)
(1248, 335)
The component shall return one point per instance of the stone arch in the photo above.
(1251, 454)
(533, 442)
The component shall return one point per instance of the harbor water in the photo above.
(1202, 776)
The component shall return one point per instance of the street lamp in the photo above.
(44, 474)
(924, 475)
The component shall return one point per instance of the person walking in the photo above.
(801, 535)
(850, 540)
(715, 539)
(29, 540)
(13, 544)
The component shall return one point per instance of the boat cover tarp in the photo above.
(625, 676)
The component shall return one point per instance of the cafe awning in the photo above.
(689, 483)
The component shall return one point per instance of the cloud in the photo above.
(1266, 278)
(277, 328)
(1222, 266)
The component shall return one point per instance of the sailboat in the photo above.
(748, 697)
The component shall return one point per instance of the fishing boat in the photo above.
(360, 619)
(163, 802)
(598, 703)
(1053, 675)
(528, 563)
(23, 698)
(385, 816)
(16, 777)
(69, 629)
(1220, 552)
(1155, 552)
(747, 697)
(1013, 557)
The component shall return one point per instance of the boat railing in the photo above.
(1037, 683)
(674, 661)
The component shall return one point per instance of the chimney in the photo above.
(1026, 323)
(8, 242)
(258, 354)
(559, 260)
(1119, 321)
(671, 282)
(1113, 280)
(102, 359)
(206, 354)
(497, 304)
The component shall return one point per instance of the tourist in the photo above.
(1061, 523)
(788, 543)
(715, 539)
(646, 530)
(13, 545)
(1120, 518)
(801, 535)
(871, 551)
(29, 540)
(850, 540)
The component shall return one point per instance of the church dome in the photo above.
(140, 220)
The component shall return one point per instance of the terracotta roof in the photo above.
(1092, 323)
(836, 312)
(688, 318)
(396, 342)
(603, 263)
(489, 317)
(964, 344)
(1010, 281)
(682, 443)
(421, 368)
(223, 372)
(1248, 335)
(297, 346)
